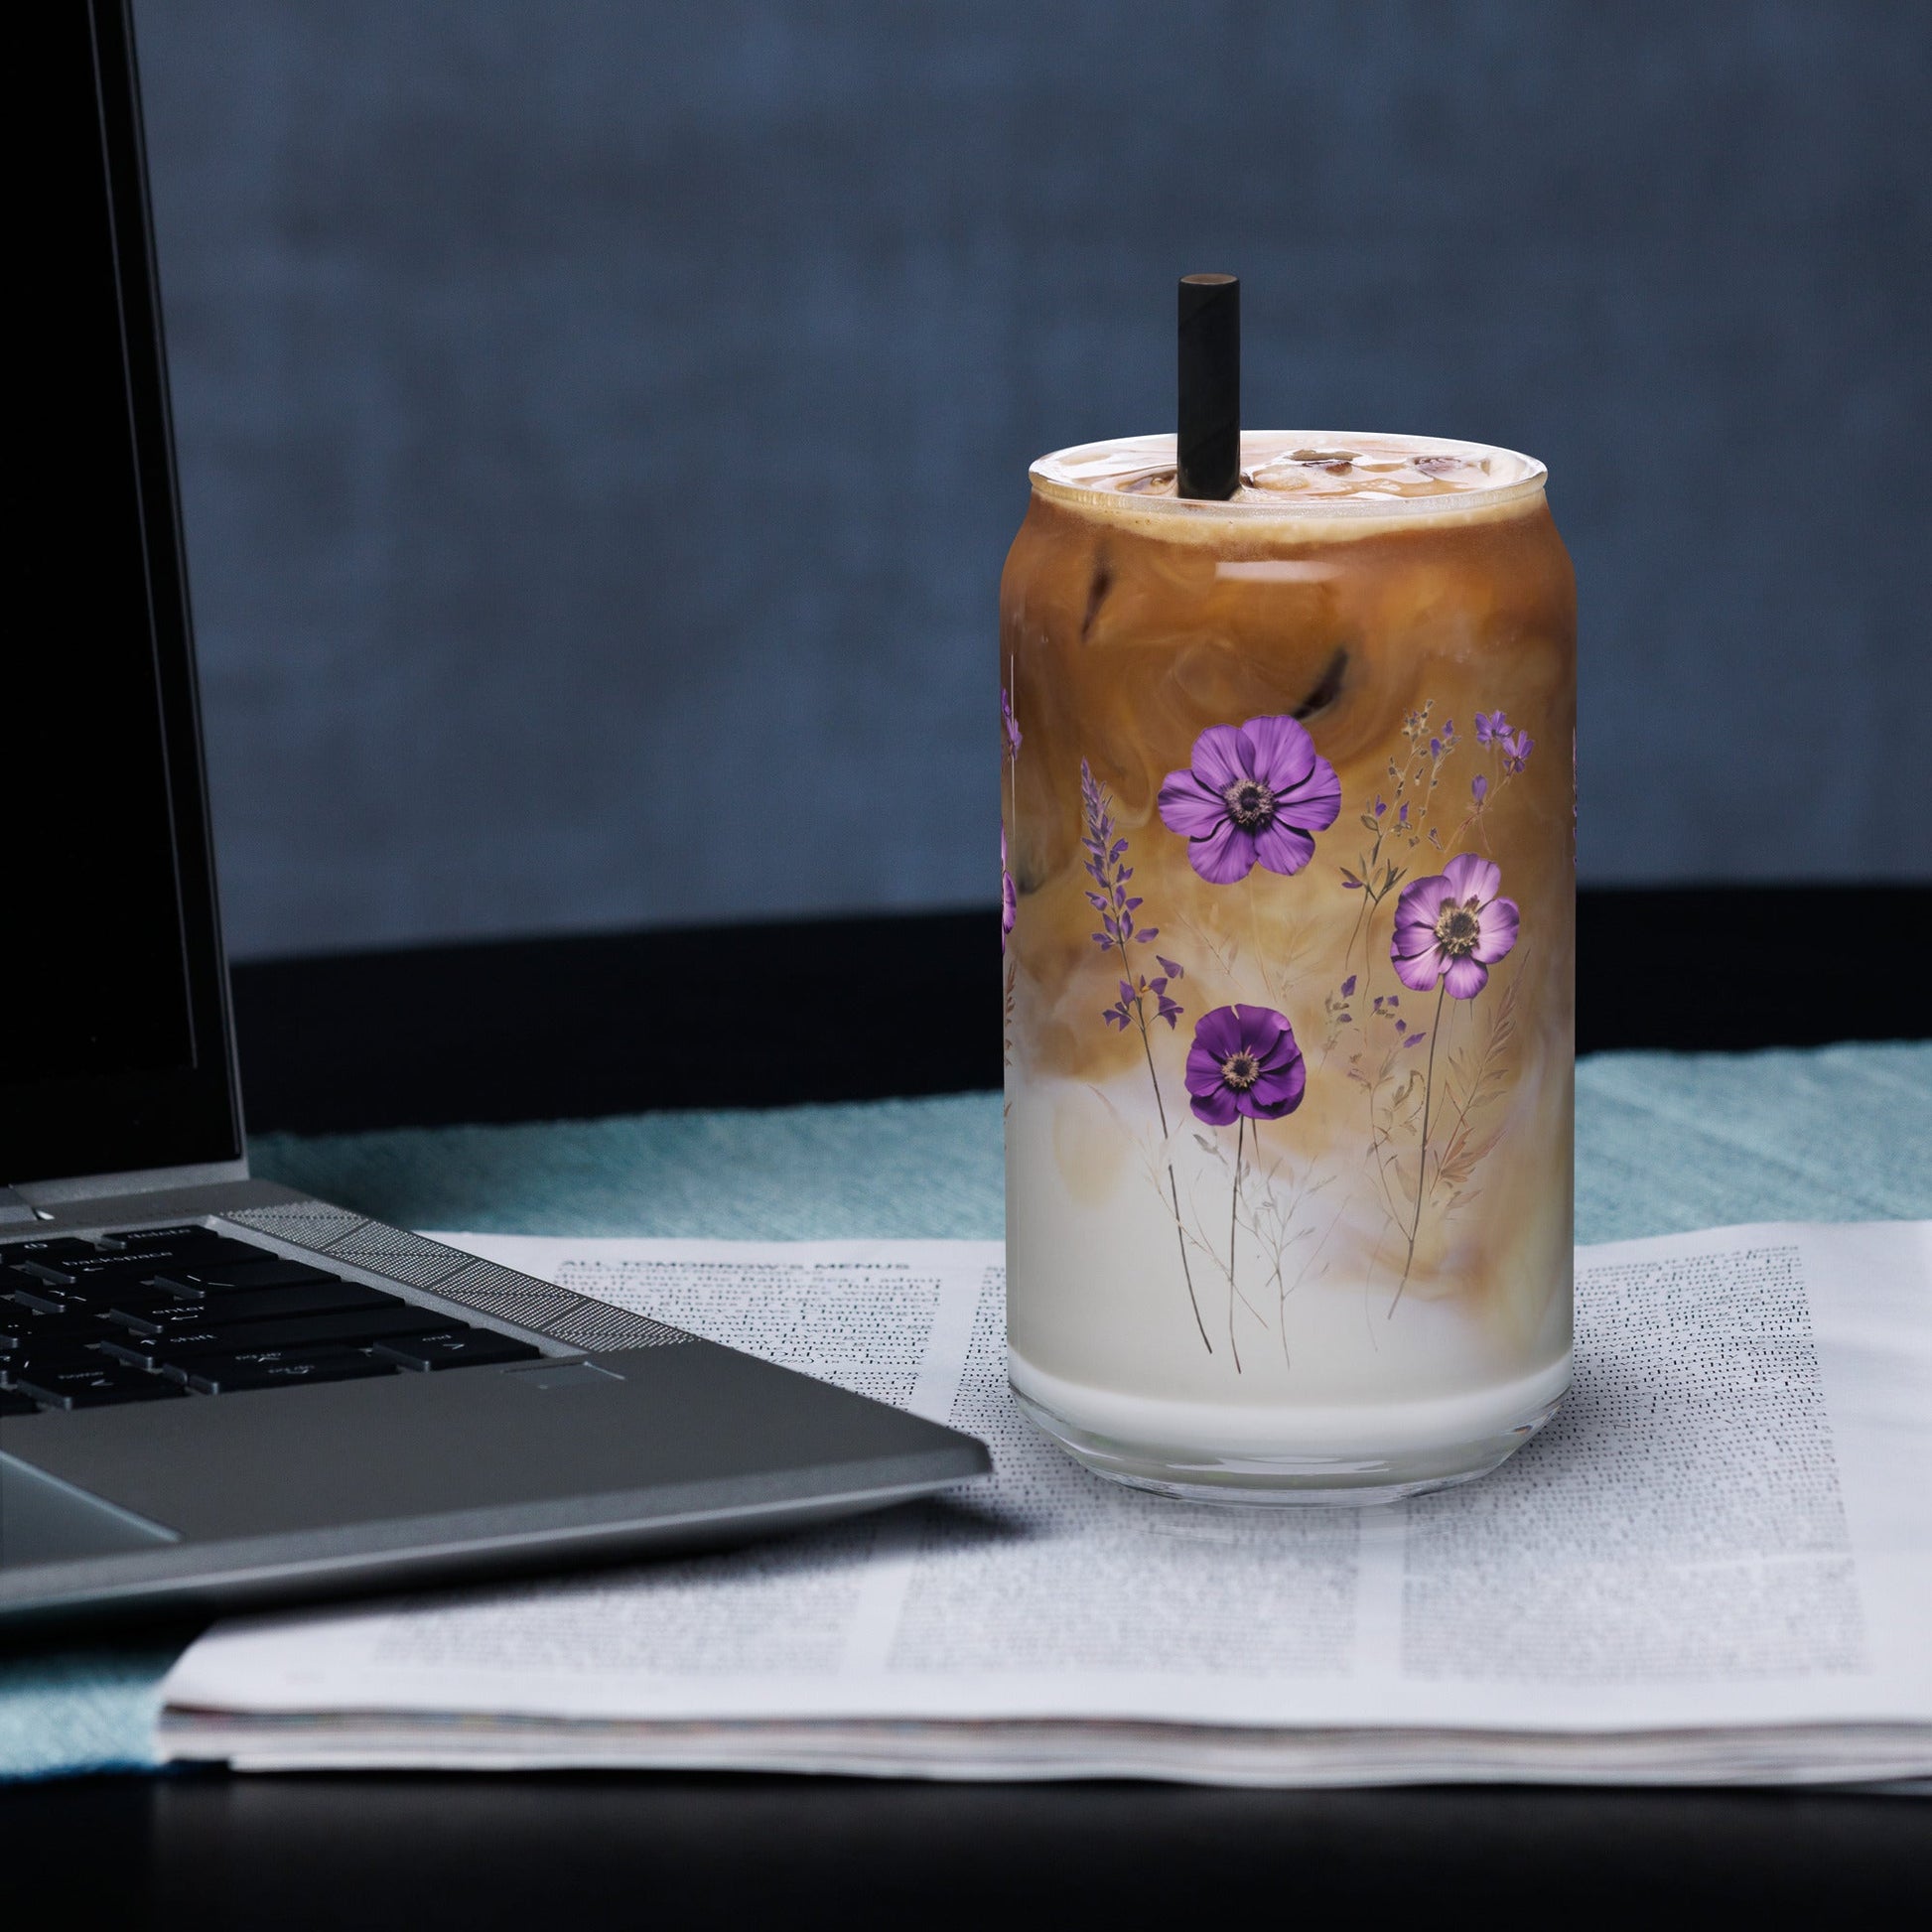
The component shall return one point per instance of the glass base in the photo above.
(1252, 1479)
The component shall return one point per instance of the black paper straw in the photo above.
(1208, 442)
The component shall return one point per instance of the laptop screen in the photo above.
(116, 1034)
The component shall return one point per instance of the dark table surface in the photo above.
(568, 1027)
(559, 1028)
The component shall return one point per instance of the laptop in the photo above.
(216, 1391)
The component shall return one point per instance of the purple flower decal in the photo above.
(1452, 928)
(1494, 728)
(1478, 788)
(1009, 896)
(1244, 1063)
(1009, 725)
(1255, 792)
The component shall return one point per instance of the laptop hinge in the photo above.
(37, 1195)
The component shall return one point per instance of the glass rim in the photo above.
(1152, 455)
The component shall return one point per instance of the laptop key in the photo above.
(328, 1297)
(56, 1351)
(179, 1235)
(213, 1250)
(151, 1352)
(454, 1348)
(82, 1387)
(94, 1299)
(84, 1365)
(201, 1329)
(238, 1359)
(56, 1249)
(130, 1267)
(266, 1271)
(356, 1326)
(45, 1299)
(182, 1254)
(23, 1272)
(176, 1345)
(23, 1328)
(279, 1368)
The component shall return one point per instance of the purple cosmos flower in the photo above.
(1490, 726)
(1516, 749)
(1009, 895)
(1244, 1061)
(1452, 928)
(1478, 787)
(1254, 793)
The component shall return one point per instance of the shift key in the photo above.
(175, 1316)
(307, 1331)
(183, 1329)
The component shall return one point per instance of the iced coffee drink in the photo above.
(1289, 859)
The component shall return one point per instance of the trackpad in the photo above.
(45, 1520)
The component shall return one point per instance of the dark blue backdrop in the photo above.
(601, 424)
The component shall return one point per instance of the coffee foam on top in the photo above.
(1359, 480)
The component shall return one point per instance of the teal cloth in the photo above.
(1664, 1143)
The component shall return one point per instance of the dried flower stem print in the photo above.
(1107, 866)
(1244, 1065)
(1449, 929)
(1249, 806)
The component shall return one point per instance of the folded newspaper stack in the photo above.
(1716, 1565)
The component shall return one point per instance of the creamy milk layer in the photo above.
(1096, 1300)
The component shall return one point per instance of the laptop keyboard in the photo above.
(158, 1315)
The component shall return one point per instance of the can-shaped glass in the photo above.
(1288, 837)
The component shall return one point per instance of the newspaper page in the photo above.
(1715, 1562)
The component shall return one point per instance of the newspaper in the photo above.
(1714, 1566)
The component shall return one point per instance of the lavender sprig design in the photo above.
(1510, 751)
(1120, 931)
